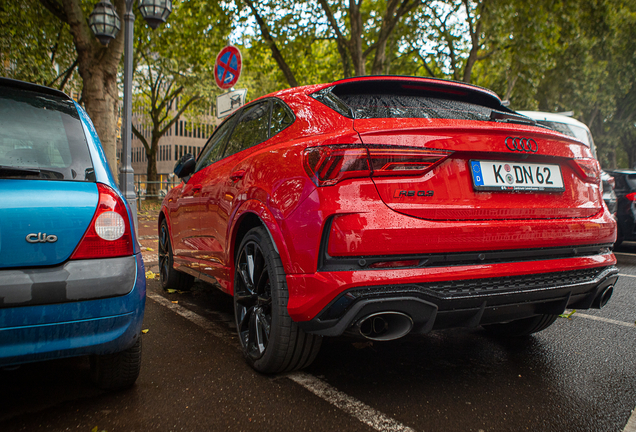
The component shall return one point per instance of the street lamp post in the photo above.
(105, 22)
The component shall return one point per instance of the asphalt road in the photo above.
(578, 375)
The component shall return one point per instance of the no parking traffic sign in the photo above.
(227, 68)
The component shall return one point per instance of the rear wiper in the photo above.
(11, 171)
(504, 117)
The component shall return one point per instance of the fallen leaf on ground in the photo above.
(144, 331)
(568, 315)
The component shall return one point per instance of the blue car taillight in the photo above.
(109, 234)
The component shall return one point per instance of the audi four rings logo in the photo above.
(522, 144)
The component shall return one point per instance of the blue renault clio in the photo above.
(72, 280)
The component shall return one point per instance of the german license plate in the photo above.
(515, 176)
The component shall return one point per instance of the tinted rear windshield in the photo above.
(41, 137)
(378, 99)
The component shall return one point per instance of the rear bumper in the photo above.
(70, 282)
(109, 323)
(328, 303)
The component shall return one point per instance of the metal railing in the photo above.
(164, 184)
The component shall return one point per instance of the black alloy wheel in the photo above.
(168, 276)
(253, 300)
(272, 342)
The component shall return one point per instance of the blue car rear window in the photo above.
(41, 137)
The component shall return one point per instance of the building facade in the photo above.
(183, 137)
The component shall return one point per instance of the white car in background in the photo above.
(577, 130)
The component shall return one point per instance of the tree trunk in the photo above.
(474, 28)
(267, 37)
(152, 188)
(101, 100)
(341, 43)
(355, 43)
(391, 17)
(97, 65)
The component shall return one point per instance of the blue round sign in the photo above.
(227, 68)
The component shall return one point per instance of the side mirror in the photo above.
(185, 166)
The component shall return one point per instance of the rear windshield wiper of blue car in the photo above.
(18, 172)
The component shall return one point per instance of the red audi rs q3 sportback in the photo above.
(384, 206)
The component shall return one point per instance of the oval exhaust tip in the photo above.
(385, 326)
(604, 297)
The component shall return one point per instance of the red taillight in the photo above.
(109, 234)
(403, 161)
(588, 169)
(327, 165)
(631, 196)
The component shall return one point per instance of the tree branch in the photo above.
(56, 8)
(141, 138)
(181, 111)
(269, 40)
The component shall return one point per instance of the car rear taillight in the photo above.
(404, 161)
(109, 234)
(327, 165)
(631, 196)
(588, 169)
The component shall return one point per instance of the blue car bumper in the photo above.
(77, 316)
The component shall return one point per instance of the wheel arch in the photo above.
(252, 214)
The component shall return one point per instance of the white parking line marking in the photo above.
(631, 423)
(624, 253)
(624, 275)
(607, 320)
(346, 403)
(197, 319)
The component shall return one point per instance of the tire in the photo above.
(522, 327)
(118, 370)
(271, 341)
(168, 276)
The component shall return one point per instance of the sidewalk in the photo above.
(148, 234)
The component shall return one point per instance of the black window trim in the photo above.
(237, 114)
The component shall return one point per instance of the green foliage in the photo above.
(34, 47)
(552, 55)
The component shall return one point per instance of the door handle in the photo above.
(237, 175)
(196, 188)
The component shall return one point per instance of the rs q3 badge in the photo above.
(41, 238)
(412, 193)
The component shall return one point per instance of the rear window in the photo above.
(405, 99)
(379, 105)
(41, 137)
